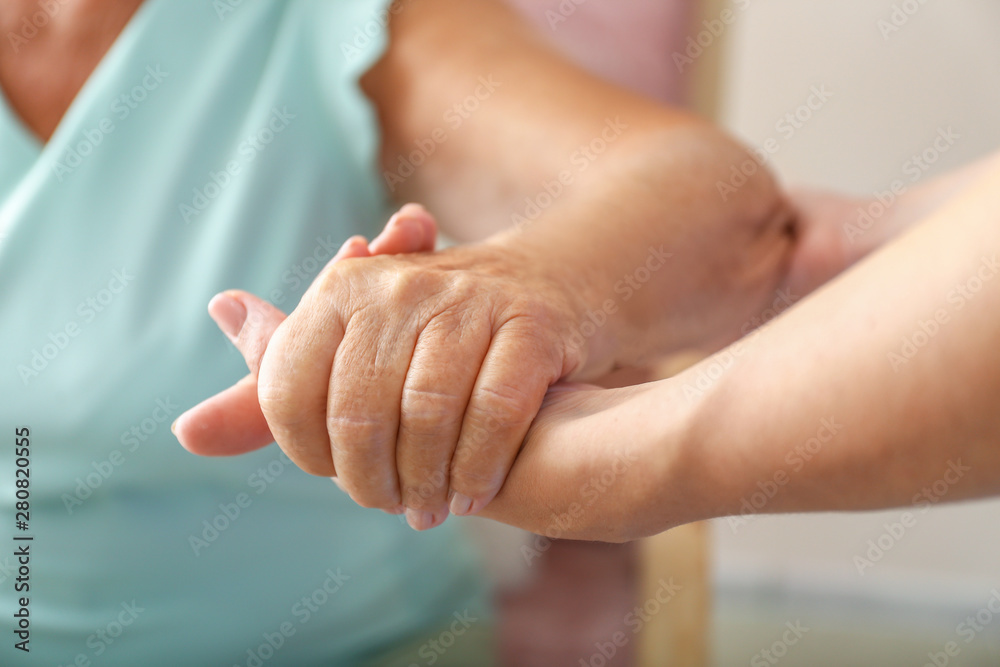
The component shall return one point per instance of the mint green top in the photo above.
(219, 144)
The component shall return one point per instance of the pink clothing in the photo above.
(627, 41)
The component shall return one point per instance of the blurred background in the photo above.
(894, 75)
(899, 73)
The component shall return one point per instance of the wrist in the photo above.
(670, 486)
(576, 283)
(654, 258)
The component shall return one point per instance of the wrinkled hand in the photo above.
(413, 378)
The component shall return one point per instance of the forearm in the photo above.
(836, 231)
(872, 228)
(873, 389)
(489, 113)
(615, 196)
(662, 262)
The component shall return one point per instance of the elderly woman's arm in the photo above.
(577, 172)
(415, 378)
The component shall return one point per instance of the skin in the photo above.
(440, 363)
(513, 301)
(415, 378)
(616, 465)
(831, 442)
(410, 373)
(40, 78)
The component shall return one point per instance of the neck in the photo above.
(23, 22)
(49, 48)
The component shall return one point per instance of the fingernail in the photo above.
(351, 247)
(460, 504)
(419, 520)
(397, 510)
(228, 313)
(414, 212)
(412, 226)
(173, 427)
(418, 215)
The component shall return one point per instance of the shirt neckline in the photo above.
(37, 144)
(24, 133)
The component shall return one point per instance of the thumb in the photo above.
(231, 422)
(248, 322)
(226, 424)
(410, 230)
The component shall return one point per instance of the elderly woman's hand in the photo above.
(412, 378)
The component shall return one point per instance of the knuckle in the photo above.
(406, 284)
(474, 482)
(426, 492)
(428, 412)
(372, 498)
(463, 286)
(316, 467)
(358, 430)
(530, 307)
(504, 406)
(278, 404)
(333, 280)
(530, 312)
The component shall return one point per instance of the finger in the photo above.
(294, 375)
(248, 322)
(231, 422)
(435, 395)
(509, 391)
(227, 424)
(356, 246)
(410, 230)
(365, 390)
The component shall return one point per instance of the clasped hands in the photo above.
(430, 383)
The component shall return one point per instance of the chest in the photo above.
(52, 54)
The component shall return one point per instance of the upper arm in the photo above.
(478, 112)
